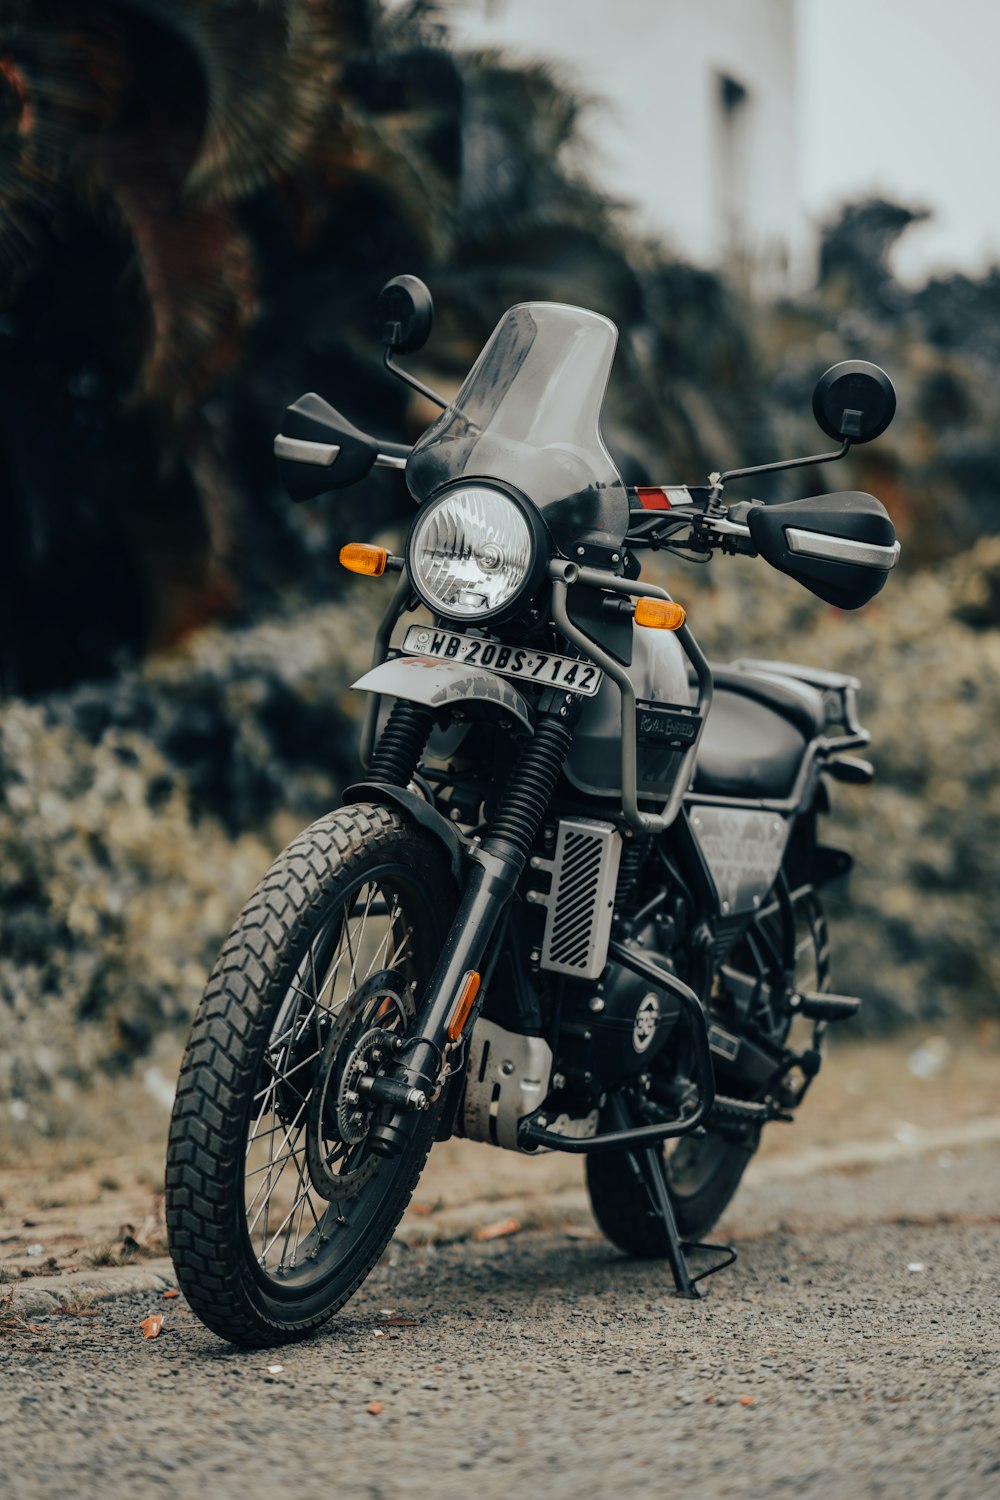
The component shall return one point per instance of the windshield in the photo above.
(529, 413)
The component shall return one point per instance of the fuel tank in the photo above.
(658, 670)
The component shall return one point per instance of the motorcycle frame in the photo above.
(490, 880)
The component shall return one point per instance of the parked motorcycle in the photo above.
(574, 906)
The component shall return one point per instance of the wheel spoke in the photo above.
(361, 933)
(252, 1138)
(267, 1187)
(371, 932)
(269, 1165)
(277, 1077)
(354, 1155)
(273, 1160)
(304, 1198)
(353, 982)
(277, 1233)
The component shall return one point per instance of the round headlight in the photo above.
(472, 553)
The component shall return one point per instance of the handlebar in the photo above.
(656, 511)
(319, 449)
(392, 455)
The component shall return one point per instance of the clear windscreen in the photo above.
(529, 414)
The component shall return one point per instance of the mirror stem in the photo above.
(787, 463)
(412, 380)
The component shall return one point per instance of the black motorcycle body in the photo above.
(574, 905)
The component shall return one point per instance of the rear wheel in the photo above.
(277, 1207)
(704, 1171)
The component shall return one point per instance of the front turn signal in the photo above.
(659, 614)
(362, 557)
(467, 992)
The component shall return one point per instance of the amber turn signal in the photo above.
(659, 614)
(467, 992)
(361, 557)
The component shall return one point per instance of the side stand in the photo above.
(650, 1162)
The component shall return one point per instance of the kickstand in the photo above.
(653, 1168)
(650, 1162)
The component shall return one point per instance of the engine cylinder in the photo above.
(615, 1032)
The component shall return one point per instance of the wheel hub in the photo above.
(362, 1039)
(353, 1110)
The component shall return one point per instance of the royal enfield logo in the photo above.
(674, 725)
(646, 1020)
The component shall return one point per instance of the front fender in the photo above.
(440, 685)
(420, 812)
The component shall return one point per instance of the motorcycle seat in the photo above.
(756, 735)
(793, 699)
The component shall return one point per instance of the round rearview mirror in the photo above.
(405, 310)
(854, 400)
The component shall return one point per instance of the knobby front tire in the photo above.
(276, 1208)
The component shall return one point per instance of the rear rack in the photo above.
(840, 696)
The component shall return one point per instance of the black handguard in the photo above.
(841, 547)
(318, 449)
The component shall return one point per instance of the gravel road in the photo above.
(852, 1351)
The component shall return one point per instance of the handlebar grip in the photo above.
(319, 449)
(394, 450)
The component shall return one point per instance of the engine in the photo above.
(604, 1024)
(612, 1033)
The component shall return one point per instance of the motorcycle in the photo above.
(575, 903)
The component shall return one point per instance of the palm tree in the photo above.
(198, 202)
(160, 158)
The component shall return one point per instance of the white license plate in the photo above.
(512, 661)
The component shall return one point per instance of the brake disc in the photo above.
(361, 1039)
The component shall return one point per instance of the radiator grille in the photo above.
(580, 902)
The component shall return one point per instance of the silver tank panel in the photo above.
(658, 674)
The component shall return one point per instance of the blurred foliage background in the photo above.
(199, 200)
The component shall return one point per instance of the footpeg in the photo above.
(820, 1007)
(851, 769)
(741, 1111)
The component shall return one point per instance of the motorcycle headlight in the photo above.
(474, 554)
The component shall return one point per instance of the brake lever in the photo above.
(659, 525)
(731, 536)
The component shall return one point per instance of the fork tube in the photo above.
(383, 635)
(401, 743)
(493, 871)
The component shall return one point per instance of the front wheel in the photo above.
(277, 1207)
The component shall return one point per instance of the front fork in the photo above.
(492, 873)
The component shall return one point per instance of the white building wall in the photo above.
(719, 184)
